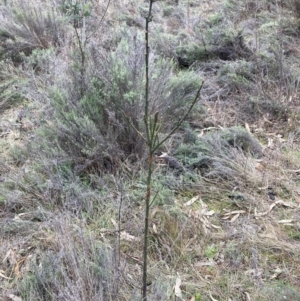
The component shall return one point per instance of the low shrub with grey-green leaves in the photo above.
(27, 28)
(74, 266)
(30, 25)
(71, 263)
(280, 291)
(215, 154)
(52, 184)
(9, 95)
(99, 116)
(27, 84)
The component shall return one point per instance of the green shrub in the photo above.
(27, 26)
(295, 7)
(95, 131)
(75, 267)
(9, 95)
(168, 10)
(214, 155)
(280, 291)
(191, 53)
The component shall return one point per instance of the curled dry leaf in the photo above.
(260, 166)
(215, 226)
(266, 119)
(177, 289)
(205, 224)
(257, 215)
(232, 216)
(2, 275)
(277, 272)
(17, 269)
(14, 297)
(128, 237)
(201, 134)
(286, 204)
(288, 222)
(212, 298)
(114, 223)
(155, 229)
(248, 298)
(247, 127)
(10, 257)
(209, 213)
(202, 214)
(279, 202)
(234, 212)
(192, 200)
(255, 272)
(270, 143)
(205, 263)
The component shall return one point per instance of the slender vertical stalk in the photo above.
(153, 143)
(150, 141)
(147, 51)
(83, 29)
(81, 44)
(146, 226)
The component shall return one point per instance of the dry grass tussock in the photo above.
(224, 224)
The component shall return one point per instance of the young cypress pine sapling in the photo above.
(152, 127)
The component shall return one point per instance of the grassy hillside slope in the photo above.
(225, 223)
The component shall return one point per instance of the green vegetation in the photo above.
(79, 149)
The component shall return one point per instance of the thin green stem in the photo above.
(146, 226)
(152, 128)
(150, 140)
(146, 117)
